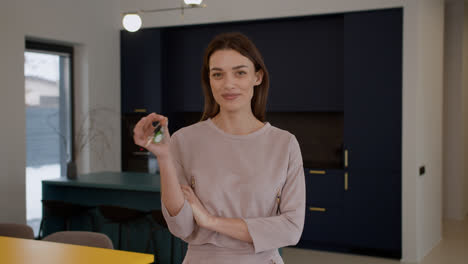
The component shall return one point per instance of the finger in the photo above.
(148, 142)
(190, 190)
(148, 125)
(141, 128)
(146, 122)
(165, 129)
(188, 197)
(138, 126)
(163, 121)
(184, 186)
(138, 136)
(156, 118)
(186, 192)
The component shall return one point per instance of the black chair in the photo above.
(67, 211)
(122, 216)
(158, 224)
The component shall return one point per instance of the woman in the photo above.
(232, 185)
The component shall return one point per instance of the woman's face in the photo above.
(232, 80)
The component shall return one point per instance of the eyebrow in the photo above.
(234, 68)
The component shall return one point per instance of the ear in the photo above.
(259, 77)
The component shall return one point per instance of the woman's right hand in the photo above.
(144, 129)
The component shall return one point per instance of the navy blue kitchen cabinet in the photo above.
(372, 213)
(372, 131)
(324, 223)
(373, 89)
(325, 188)
(358, 209)
(141, 71)
(305, 63)
(323, 228)
(183, 53)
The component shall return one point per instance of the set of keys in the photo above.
(158, 135)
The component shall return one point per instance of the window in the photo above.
(49, 114)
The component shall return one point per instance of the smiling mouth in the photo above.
(230, 97)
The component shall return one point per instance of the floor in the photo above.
(453, 249)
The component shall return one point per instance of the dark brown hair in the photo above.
(242, 44)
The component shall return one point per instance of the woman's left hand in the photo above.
(201, 215)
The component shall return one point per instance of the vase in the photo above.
(71, 170)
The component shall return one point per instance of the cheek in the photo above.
(253, 81)
(214, 87)
(216, 91)
(250, 87)
(251, 94)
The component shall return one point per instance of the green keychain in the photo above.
(157, 136)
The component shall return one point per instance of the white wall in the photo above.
(90, 26)
(465, 110)
(431, 83)
(12, 128)
(455, 111)
(422, 91)
(412, 120)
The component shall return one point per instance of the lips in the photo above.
(230, 96)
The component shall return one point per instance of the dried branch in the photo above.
(92, 134)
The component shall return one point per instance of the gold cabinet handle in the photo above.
(346, 181)
(317, 172)
(140, 110)
(317, 209)
(346, 158)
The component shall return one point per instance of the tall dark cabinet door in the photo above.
(372, 213)
(141, 70)
(372, 130)
(373, 88)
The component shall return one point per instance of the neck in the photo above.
(237, 123)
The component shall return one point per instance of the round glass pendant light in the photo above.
(193, 2)
(131, 22)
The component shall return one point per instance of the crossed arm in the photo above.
(233, 227)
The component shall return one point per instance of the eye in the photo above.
(240, 73)
(216, 75)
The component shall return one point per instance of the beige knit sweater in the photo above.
(257, 177)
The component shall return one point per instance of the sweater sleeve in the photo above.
(182, 224)
(284, 229)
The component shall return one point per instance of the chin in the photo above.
(232, 107)
(229, 108)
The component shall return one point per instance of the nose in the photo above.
(229, 81)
